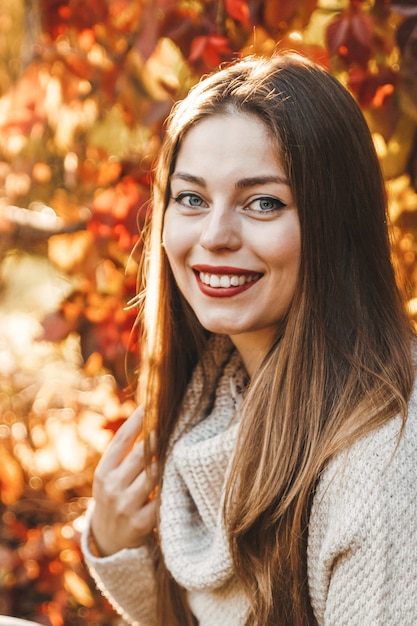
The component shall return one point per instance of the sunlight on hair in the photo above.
(380, 145)
(151, 318)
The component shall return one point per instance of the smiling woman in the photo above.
(278, 419)
(231, 232)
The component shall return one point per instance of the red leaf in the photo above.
(372, 89)
(276, 12)
(197, 48)
(239, 10)
(210, 48)
(180, 25)
(78, 14)
(349, 36)
(361, 26)
(337, 33)
(118, 201)
(114, 425)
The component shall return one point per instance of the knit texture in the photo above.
(362, 549)
(126, 579)
(362, 553)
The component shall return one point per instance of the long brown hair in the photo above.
(342, 365)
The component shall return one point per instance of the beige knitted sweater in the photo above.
(362, 548)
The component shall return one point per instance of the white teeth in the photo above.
(225, 281)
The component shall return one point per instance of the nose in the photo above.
(221, 230)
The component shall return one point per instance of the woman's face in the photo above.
(231, 231)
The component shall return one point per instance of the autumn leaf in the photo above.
(239, 10)
(11, 478)
(146, 37)
(210, 48)
(73, 252)
(117, 201)
(78, 588)
(57, 15)
(124, 15)
(180, 25)
(277, 15)
(23, 107)
(372, 88)
(349, 36)
(115, 212)
(108, 173)
(276, 12)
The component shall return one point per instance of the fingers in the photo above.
(124, 461)
(132, 464)
(149, 516)
(125, 509)
(123, 518)
(145, 483)
(122, 441)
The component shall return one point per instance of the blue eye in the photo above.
(189, 200)
(266, 205)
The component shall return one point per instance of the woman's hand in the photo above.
(124, 515)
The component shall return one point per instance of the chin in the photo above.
(221, 328)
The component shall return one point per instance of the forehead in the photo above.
(234, 138)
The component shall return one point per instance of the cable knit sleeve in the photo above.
(362, 552)
(126, 579)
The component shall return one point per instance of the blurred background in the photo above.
(85, 86)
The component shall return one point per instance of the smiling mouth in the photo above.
(226, 281)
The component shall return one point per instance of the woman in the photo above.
(277, 374)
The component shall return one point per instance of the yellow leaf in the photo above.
(70, 252)
(78, 588)
(11, 478)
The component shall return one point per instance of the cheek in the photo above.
(294, 253)
(293, 247)
(169, 241)
(286, 257)
(174, 241)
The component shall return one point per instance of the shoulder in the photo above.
(363, 519)
(382, 464)
(384, 451)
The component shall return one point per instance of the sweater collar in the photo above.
(192, 533)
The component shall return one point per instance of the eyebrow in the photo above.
(260, 180)
(241, 184)
(189, 178)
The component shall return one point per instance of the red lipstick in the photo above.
(223, 287)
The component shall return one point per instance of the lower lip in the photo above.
(223, 292)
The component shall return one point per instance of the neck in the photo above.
(253, 347)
